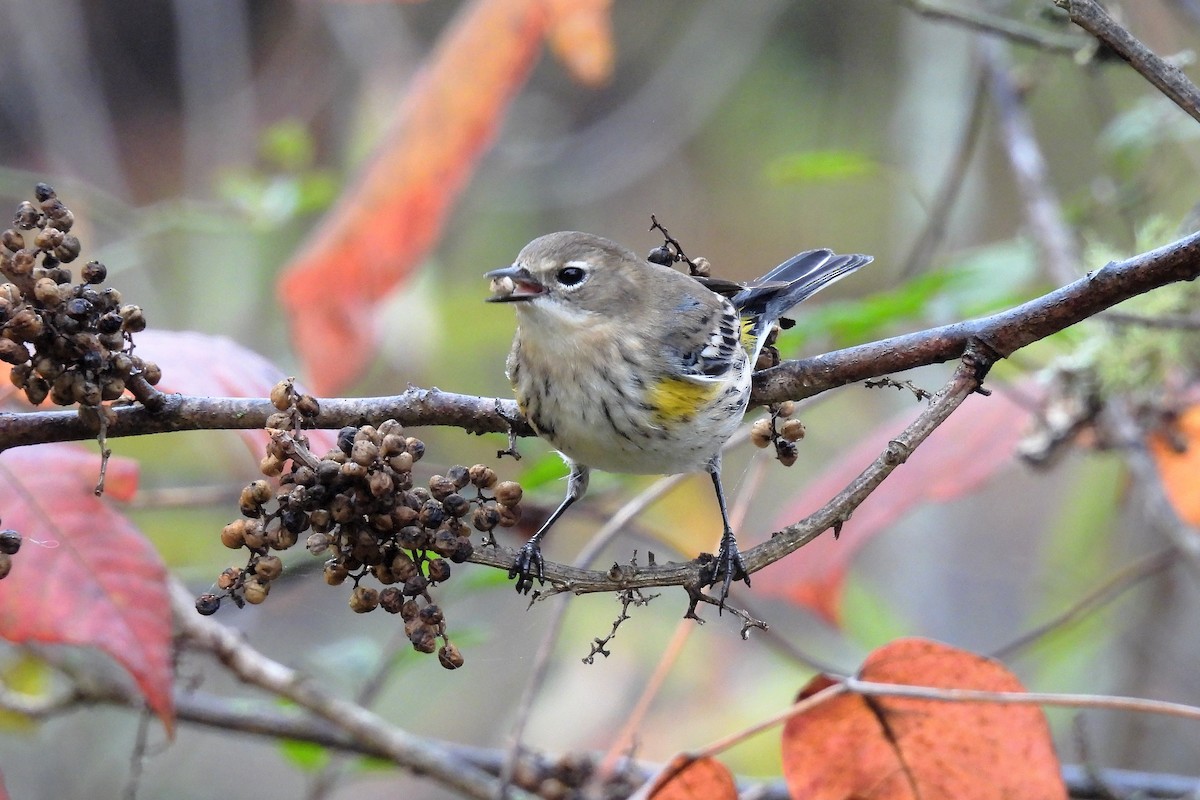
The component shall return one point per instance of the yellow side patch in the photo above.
(748, 337)
(678, 399)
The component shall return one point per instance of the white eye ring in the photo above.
(571, 274)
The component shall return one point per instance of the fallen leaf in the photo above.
(895, 748)
(687, 778)
(84, 574)
(1178, 470)
(973, 445)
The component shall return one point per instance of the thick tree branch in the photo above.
(1002, 334)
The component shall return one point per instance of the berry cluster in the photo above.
(71, 342)
(10, 543)
(780, 430)
(360, 507)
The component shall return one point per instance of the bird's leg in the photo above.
(529, 564)
(729, 566)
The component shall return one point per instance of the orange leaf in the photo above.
(967, 450)
(687, 778)
(386, 224)
(1179, 470)
(580, 35)
(893, 748)
(84, 574)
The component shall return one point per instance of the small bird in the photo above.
(626, 365)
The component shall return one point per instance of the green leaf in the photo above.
(307, 756)
(848, 322)
(288, 146)
(544, 471)
(816, 166)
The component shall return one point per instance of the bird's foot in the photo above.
(727, 567)
(527, 566)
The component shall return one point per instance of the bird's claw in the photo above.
(528, 565)
(729, 566)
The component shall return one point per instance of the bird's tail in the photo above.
(762, 302)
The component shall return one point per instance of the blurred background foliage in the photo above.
(199, 141)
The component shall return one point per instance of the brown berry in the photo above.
(450, 657)
(268, 568)
(233, 535)
(335, 572)
(391, 600)
(792, 430)
(762, 433)
(483, 476)
(508, 493)
(281, 394)
(364, 599)
(256, 591)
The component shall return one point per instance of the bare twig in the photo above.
(1180, 322)
(1055, 242)
(977, 19)
(934, 231)
(417, 753)
(1120, 421)
(1058, 699)
(1166, 77)
(1123, 579)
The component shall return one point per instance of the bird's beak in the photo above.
(512, 284)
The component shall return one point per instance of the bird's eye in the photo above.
(570, 276)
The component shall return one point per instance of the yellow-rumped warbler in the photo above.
(630, 366)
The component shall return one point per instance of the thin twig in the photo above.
(1111, 589)
(977, 19)
(1166, 77)
(417, 753)
(1055, 242)
(1058, 699)
(541, 660)
(934, 231)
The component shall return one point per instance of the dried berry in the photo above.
(207, 604)
(10, 541)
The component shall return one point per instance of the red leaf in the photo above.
(386, 224)
(893, 748)
(1178, 470)
(84, 574)
(216, 366)
(686, 778)
(968, 449)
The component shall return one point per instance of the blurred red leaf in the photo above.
(892, 747)
(84, 574)
(216, 366)
(385, 224)
(687, 778)
(1178, 470)
(968, 449)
